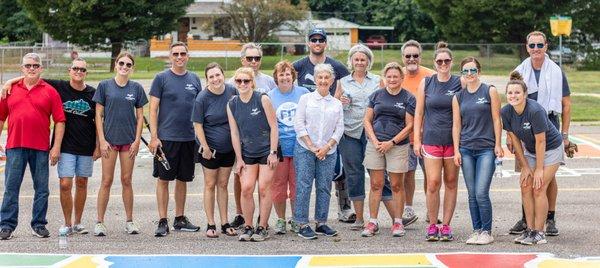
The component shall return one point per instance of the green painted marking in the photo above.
(30, 260)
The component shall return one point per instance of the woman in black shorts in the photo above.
(216, 152)
(254, 135)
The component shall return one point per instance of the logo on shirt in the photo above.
(481, 101)
(450, 93)
(78, 107)
(526, 125)
(130, 97)
(255, 112)
(309, 77)
(286, 112)
(400, 105)
(190, 87)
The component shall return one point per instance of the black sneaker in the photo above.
(238, 222)
(40, 231)
(519, 227)
(162, 229)
(5, 234)
(183, 224)
(325, 230)
(551, 229)
(247, 234)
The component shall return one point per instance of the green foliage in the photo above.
(15, 25)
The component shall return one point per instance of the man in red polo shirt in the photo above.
(29, 107)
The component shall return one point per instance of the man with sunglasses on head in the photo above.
(546, 84)
(414, 74)
(29, 106)
(172, 96)
(317, 43)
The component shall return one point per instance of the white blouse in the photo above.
(321, 118)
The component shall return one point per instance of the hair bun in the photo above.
(441, 44)
(514, 75)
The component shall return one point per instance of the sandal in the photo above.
(226, 229)
(211, 231)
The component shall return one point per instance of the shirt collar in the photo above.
(369, 76)
(319, 97)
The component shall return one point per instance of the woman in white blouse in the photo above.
(319, 125)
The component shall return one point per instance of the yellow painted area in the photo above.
(563, 263)
(354, 36)
(82, 262)
(370, 261)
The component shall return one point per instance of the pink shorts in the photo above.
(284, 179)
(121, 148)
(438, 151)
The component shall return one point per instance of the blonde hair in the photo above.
(516, 79)
(441, 47)
(247, 71)
(392, 65)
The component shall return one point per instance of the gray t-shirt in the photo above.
(358, 93)
(253, 127)
(120, 104)
(532, 121)
(264, 83)
(176, 94)
(210, 110)
(437, 125)
(477, 125)
(389, 116)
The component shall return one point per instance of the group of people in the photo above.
(313, 122)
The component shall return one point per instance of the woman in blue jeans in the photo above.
(319, 125)
(476, 131)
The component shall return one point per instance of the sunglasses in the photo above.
(128, 64)
(242, 81)
(34, 66)
(318, 40)
(414, 56)
(469, 71)
(538, 45)
(177, 54)
(79, 69)
(253, 58)
(445, 61)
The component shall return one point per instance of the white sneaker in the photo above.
(473, 238)
(347, 216)
(100, 229)
(357, 226)
(80, 229)
(132, 228)
(485, 238)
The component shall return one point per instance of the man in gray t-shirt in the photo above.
(172, 96)
(251, 57)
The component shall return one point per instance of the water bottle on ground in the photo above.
(498, 172)
(63, 243)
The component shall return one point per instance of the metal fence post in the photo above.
(281, 52)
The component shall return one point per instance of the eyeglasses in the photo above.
(318, 40)
(177, 54)
(253, 58)
(445, 61)
(128, 64)
(79, 69)
(414, 56)
(469, 71)
(242, 81)
(538, 45)
(34, 66)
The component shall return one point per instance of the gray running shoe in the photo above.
(5, 234)
(519, 227)
(162, 229)
(183, 224)
(347, 216)
(522, 237)
(40, 231)
(246, 234)
(409, 217)
(100, 229)
(280, 227)
(535, 238)
(80, 229)
(551, 229)
(260, 234)
(131, 228)
(294, 227)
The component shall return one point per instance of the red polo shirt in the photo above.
(28, 113)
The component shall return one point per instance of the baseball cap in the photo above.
(319, 31)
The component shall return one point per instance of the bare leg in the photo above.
(210, 182)
(80, 197)
(66, 200)
(180, 195)
(222, 193)
(162, 197)
(409, 187)
(108, 172)
(450, 190)
(126, 179)
(248, 178)
(265, 179)
(433, 185)
(377, 181)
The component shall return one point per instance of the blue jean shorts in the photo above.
(71, 165)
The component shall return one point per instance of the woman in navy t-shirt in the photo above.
(540, 155)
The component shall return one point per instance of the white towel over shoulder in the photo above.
(550, 85)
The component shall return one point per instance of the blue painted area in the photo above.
(203, 261)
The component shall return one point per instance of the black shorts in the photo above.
(255, 160)
(180, 155)
(220, 160)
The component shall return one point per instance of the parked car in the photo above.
(376, 41)
(568, 56)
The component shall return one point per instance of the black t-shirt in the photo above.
(80, 127)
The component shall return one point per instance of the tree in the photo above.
(351, 10)
(256, 20)
(106, 23)
(15, 25)
(409, 21)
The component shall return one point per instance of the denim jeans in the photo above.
(309, 168)
(353, 154)
(16, 161)
(478, 169)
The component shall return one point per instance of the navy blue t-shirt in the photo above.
(253, 127)
(437, 125)
(477, 125)
(176, 94)
(306, 72)
(532, 121)
(389, 110)
(210, 110)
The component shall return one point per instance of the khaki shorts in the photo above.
(395, 160)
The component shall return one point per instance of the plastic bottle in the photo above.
(498, 172)
(63, 243)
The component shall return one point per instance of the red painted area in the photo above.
(485, 260)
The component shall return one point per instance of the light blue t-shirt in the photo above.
(285, 109)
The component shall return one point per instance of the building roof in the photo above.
(204, 8)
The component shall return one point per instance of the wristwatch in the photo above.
(274, 152)
(394, 142)
(565, 136)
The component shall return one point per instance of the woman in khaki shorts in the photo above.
(388, 123)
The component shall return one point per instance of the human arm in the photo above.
(235, 141)
(274, 135)
(135, 146)
(540, 152)
(418, 120)
(153, 122)
(520, 156)
(456, 129)
(497, 120)
(7, 85)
